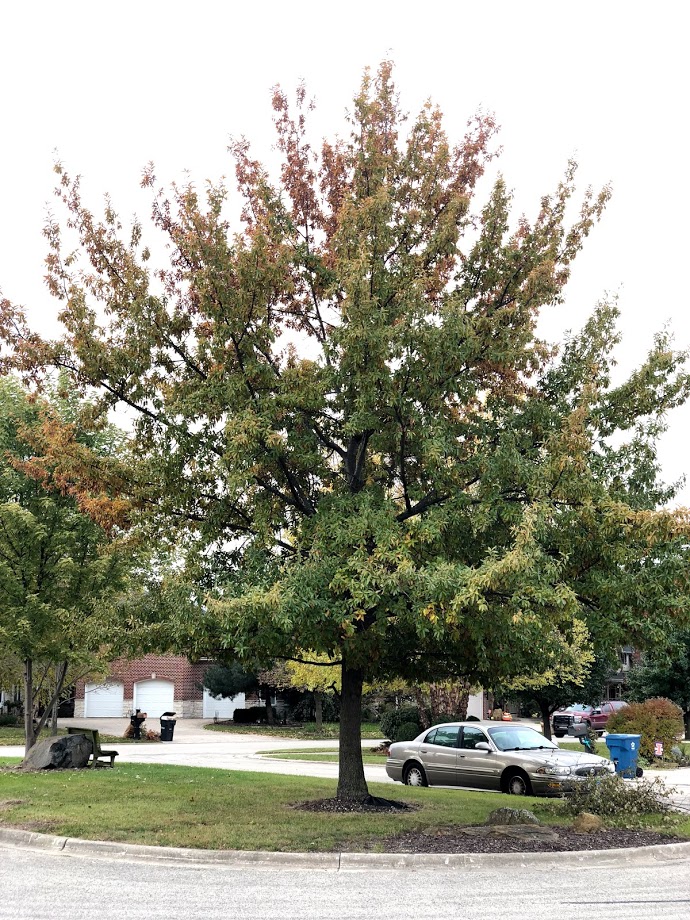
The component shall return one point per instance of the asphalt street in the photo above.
(42, 885)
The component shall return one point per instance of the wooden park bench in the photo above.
(98, 753)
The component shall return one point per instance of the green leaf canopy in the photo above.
(346, 394)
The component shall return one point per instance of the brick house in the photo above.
(155, 684)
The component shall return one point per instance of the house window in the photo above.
(626, 659)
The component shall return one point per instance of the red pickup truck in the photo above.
(596, 716)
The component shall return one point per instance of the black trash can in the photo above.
(167, 726)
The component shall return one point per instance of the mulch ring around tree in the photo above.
(372, 804)
(562, 839)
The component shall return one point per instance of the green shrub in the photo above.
(252, 715)
(9, 720)
(445, 717)
(612, 797)
(679, 756)
(394, 718)
(408, 731)
(655, 720)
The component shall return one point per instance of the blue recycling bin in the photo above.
(624, 750)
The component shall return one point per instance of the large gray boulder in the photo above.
(505, 816)
(65, 753)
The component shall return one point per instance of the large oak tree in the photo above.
(344, 396)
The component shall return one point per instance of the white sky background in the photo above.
(111, 86)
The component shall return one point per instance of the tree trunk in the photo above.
(545, 711)
(318, 710)
(29, 705)
(686, 720)
(269, 708)
(463, 699)
(54, 718)
(60, 674)
(422, 708)
(351, 782)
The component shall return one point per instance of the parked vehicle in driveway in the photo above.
(594, 716)
(504, 756)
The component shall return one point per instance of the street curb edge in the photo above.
(255, 859)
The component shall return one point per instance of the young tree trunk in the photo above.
(318, 710)
(351, 782)
(686, 720)
(269, 708)
(463, 699)
(60, 674)
(29, 705)
(422, 708)
(545, 711)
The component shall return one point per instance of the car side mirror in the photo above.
(483, 746)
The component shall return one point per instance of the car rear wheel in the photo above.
(517, 784)
(415, 775)
(559, 734)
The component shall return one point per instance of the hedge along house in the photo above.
(155, 684)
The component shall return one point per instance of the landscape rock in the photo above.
(586, 823)
(65, 753)
(512, 816)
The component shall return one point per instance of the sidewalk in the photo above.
(678, 780)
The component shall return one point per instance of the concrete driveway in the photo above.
(195, 746)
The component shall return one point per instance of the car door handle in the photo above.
(422, 750)
(462, 755)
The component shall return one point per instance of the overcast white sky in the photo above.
(111, 86)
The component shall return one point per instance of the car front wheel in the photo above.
(517, 784)
(415, 776)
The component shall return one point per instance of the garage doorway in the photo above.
(154, 697)
(105, 701)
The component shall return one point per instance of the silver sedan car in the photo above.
(505, 756)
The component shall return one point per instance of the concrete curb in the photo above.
(252, 859)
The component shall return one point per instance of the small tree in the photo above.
(576, 674)
(59, 571)
(316, 675)
(230, 679)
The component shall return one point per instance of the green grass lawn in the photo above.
(600, 747)
(218, 809)
(325, 755)
(305, 731)
(10, 735)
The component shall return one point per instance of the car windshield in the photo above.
(519, 738)
(579, 707)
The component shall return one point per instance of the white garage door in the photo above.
(154, 697)
(222, 708)
(104, 700)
